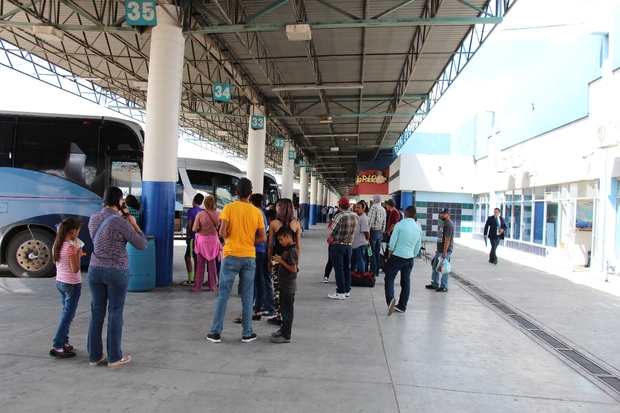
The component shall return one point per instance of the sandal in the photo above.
(94, 363)
(187, 282)
(126, 359)
(239, 320)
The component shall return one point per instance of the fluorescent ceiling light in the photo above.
(48, 33)
(325, 119)
(298, 32)
(222, 133)
(192, 116)
(312, 86)
(334, 149)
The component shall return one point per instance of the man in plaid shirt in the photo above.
(376, 222)
(342, 232)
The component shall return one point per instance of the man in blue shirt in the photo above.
(404, 245)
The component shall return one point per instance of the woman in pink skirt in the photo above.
(207, 244)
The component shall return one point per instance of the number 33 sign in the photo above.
(140, 13)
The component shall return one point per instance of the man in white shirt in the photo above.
(376, 223)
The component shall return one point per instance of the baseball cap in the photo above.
(445, 211)
(344, 202)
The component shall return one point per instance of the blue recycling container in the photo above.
(142, 266)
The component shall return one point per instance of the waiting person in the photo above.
(404, 245)
(285, 217)
(108, 275)
(242, 226)
(393, 216)
(269, 307)
(190, 236)
(376, 222)
(301, 216)
(445, 243)
(342, 232)
(494, 229)
(261, 265)
(207, 244)
(66, 254)
(134, 207)
(325, 213)
(360, 241)
(287, 276)
(328, 265)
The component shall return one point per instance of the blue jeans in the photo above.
(392, 267)
(357, 260)
(246, 268)
(108, 286)
(375, 244)
(436, 275)
(259, 281)
(341, 257)
(69, 297)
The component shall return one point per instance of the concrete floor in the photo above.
(448, 353)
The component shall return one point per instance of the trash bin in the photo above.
(142, 266)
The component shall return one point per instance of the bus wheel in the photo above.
(31, 257)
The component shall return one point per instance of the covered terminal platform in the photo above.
(516, 337)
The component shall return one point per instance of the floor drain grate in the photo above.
(613, 382)
(524, 322)
(594, 369)
(505, 309)
(557, 344)
(584, 362)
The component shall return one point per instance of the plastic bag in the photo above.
(369, 249)
(446, 267)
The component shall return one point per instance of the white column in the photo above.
(160, 143)
(256, 152)
(288, 170)
(303, 186)
(319, 194)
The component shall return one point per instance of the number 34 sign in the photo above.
(140, 13)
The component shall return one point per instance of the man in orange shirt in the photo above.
(242, 226)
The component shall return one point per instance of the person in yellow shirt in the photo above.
(242, 225)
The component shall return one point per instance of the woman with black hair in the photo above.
(108, 275)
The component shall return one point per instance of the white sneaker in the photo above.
(336, 296)
(347, 294)
(325, 280)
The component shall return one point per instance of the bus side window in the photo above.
(7, 131)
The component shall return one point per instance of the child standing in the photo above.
(67, 253)
(287, 278)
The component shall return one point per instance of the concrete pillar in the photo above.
(303, 194)
(406, 199)
(396, 199)
(319, 201)
(162, 130)
(288, 170)
(313, 188)
(256, 152)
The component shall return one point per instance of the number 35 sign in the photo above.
(140, 13)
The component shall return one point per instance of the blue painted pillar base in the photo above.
(319, 215)
(158, 221)
(406, 199)
(396, 199)
(312, 214)
(307, 214)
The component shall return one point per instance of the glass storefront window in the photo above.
(508, 219)
(527, 221)
(587, 189)
(552, 225)
(516, 221)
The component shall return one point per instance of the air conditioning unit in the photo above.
(608, 135)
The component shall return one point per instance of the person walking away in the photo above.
(376, 222)
(242, 226)
(287, 276)
(494, 229)
(445, 242)
(360, 241)
(190, 236)
(404, 245)
(108, 275)
(207, 246)
(342, 232)
(67, 253)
